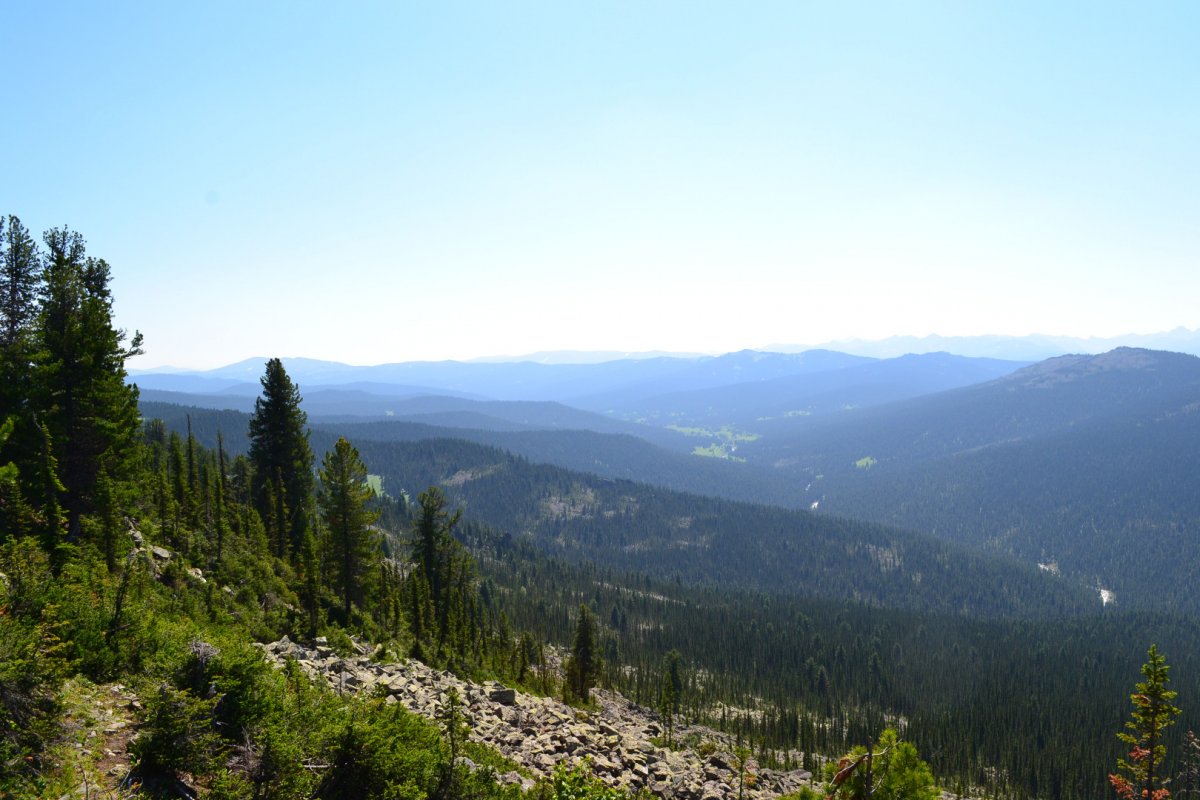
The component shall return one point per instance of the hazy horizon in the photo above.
(1028, 348)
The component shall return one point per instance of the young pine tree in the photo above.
(889, 769)
(1144, 774)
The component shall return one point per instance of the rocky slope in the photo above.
(538, 732)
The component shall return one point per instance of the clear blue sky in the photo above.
(399, 181)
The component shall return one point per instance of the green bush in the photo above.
(899, 772)
(177, 734)
(576, 783)
(32, 664)
(383, 752)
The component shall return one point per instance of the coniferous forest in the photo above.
(153, 546)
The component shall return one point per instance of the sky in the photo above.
(382, 182)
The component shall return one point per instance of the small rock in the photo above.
(503, 695)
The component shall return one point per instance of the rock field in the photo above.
(539, 732)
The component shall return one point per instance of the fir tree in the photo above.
(1152, 715)
(20, 272)
(432, 545)
(353, 548)
(90, 413)
(583, 666)
(670, 692)
(283, 461)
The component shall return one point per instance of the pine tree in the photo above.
(1189, 774)
(354, 549)
(433, 540)
(670, 692)
(435, 556)
(283, 461)
(20, 273)
(1152, 715)
(90, 413)
(889, 769)
(583, 666)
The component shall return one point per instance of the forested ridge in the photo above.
(1071, 463)
(692, 538)
(136, 558)
(608, 455)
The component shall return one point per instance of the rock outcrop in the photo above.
(539, 733)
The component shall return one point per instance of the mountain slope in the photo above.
(1086, 464)
(605, 455)
(1044, 399)
(630, 526)
(524, 380)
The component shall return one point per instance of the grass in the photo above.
(724, 433)
(716, 451)
(376, 484)
(487, 756)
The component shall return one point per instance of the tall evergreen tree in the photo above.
(19, 276)
(89, 412)
(583, 666)
(1144, 775)
(441, 586)
(433, 545)
(670, 692)
(353, 548)
(283, 460)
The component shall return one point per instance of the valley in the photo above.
(625, 519)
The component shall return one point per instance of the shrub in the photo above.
(177, 734)
(386, 752)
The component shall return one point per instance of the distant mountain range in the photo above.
(1034, 347)
(613, 386)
